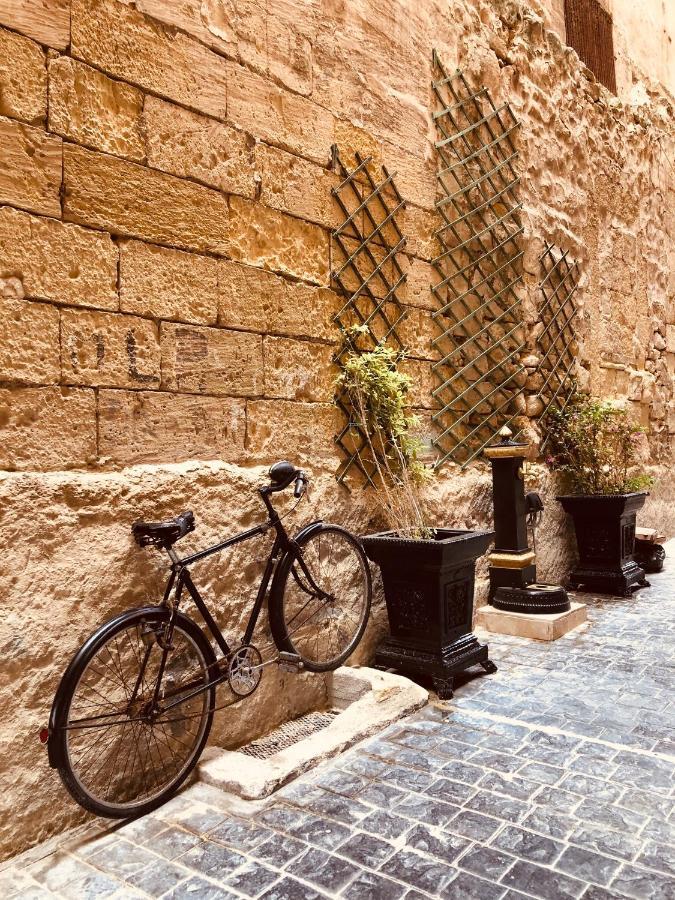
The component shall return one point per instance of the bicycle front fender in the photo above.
(282, 568)
(74, 671)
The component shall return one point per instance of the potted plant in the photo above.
(427, 572)
(592, 444)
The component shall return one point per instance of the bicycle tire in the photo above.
(188, 637)
(283, 600)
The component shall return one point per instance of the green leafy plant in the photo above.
(377, 393)
(593, 445)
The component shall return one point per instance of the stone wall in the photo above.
(167, 324)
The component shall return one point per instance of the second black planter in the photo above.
(428, 589)
(605, 530)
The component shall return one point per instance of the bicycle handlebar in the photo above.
(300, 485)
(282, 475)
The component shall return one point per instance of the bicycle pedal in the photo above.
(290, 662)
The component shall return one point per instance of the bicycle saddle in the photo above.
(165, 533)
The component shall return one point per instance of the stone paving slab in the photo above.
(552, 779)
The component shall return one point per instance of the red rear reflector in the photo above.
(44, 735)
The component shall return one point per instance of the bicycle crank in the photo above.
(244, 670)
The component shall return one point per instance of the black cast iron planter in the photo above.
(428, 589)
(605, 530)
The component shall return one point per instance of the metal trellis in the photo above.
(479, 268)
(557, 311)
(367, 273)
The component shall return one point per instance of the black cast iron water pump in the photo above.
(513, 573)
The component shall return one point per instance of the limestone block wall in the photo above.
(167, 317)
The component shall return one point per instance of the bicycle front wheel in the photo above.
(117, 754)
(322, 627)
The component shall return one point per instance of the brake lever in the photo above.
(300, 486)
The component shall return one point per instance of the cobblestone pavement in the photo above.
(552, 779)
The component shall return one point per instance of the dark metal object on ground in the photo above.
(649, 556)
(605, 530)
(513, 573)
(428, 589)
(479, 268)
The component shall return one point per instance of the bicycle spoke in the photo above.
(119, 752)
(323, 628)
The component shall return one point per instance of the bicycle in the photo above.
(134, 708)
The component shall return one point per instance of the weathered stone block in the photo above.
(46, 21)
(261, 301)
(416, 332)
(282, 429)
(167, 283)
(211, 361)
(47, 428)
(57, 262)
(351, 139)
(419, 226)
(422, 383)
(670, 338)
(297, 186)
(23, 78)
(237, 29)
(289, 43)
(29, 342)
(109, 350)
(211, 21)
(266, 237)
(299, 370)
(30, 176)
(420, 276)
(415, 175)
(153, 426)
(192, 146)
(278, 116)
(92, 109)
(129, 199)
(143, 52)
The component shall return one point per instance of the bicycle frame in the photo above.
(180, 578)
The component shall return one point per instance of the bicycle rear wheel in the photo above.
(116, 756)
(322, 630)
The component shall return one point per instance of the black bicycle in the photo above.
(134, 708)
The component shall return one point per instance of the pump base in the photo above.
(535, 599)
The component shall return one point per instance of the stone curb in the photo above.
(382, 698)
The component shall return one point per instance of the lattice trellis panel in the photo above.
(366, 271)
(479, 268)
(556, 343)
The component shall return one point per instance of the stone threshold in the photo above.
(368, 699)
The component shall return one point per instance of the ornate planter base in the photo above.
(605, 530)
(428, 589)
(607, 580)
(440, 666)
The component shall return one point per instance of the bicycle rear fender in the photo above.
(73, 671)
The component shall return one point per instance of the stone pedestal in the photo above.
(538, 627)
